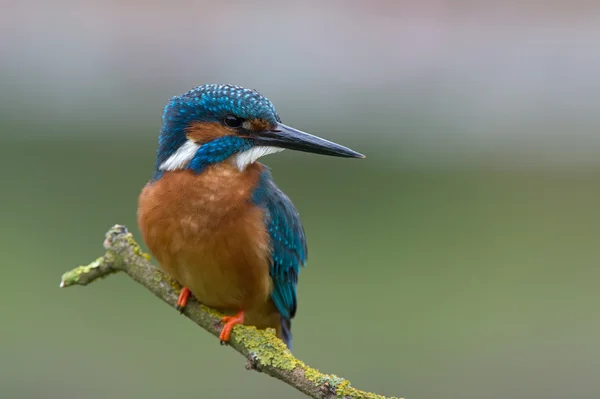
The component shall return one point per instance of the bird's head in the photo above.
(213, 123)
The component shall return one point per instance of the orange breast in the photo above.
(206, 233)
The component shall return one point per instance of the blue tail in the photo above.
(286, 332)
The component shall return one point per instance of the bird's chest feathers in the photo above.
(207, 233)
(207, 201)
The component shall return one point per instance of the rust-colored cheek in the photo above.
(203, 132)
(259, 125)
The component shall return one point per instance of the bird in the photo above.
(212, 215)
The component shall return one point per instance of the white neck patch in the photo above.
(243, 159)
(181, 157)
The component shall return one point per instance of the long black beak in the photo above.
(283, 136)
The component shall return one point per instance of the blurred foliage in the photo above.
(458, 283)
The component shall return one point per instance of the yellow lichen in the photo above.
(72, 276)
(174, 284)
(136, 247)
(265, 347)
(159, 276)
(211, 311)
(346, 391)
(312, 374)
(268, 350)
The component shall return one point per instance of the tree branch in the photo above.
(262, 349)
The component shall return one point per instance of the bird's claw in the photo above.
(182, 301)
(230, 322)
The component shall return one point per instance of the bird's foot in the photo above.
(230, 321)
(183, 299)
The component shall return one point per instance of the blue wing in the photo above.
(288, 243)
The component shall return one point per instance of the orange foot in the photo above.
(183, 299)
(230, 321)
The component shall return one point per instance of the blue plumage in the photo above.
(217, 151)
(289, 251)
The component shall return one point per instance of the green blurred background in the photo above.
(459, 260)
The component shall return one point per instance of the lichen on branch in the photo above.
(262, 349)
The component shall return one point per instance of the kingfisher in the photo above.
(213, 217)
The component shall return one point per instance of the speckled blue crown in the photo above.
(208, 103)
(214, 101)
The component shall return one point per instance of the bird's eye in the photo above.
(233, 121)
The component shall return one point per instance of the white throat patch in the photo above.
(243, 159)
(181, 157)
